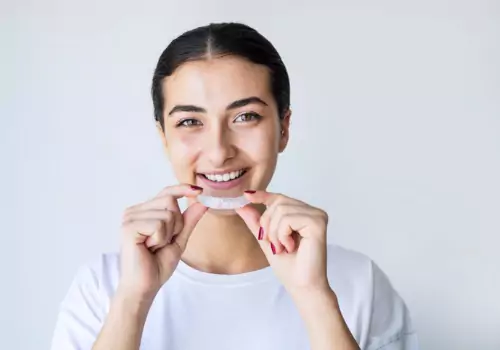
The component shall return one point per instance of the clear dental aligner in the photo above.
(223, 203)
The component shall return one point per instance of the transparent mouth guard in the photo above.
(223, 203)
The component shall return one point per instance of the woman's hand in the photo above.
(292, 235)
(155, 234)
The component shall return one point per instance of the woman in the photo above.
(258, 277)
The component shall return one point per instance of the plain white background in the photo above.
(395, 132)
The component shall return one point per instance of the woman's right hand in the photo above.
(155, 234)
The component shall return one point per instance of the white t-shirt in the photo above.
(198, 310)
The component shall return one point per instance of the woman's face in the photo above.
(222, 130)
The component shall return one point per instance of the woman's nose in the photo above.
(219, 147)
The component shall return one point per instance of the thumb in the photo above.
(191, 216)
(251, 217)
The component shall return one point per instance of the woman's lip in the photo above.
(221, 185)
(222, 172)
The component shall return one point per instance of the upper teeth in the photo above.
(224, 177)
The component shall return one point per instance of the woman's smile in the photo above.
(222, 180)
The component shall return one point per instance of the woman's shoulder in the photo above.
(86, 302)
(348, 264)
(100, 272)
(355, 273)
(368, 298)
(340, 254)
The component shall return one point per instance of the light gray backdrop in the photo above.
(395, 132)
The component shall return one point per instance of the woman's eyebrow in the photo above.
(233, 105)
(186, 108)
(245, 101)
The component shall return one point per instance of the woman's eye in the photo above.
(246, 117)
(188, 122)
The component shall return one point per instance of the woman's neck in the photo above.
(223, 244)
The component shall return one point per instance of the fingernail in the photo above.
(250, 191)
(273, 248)
(261, 233)
(196, 188)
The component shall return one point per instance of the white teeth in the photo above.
(224, 177)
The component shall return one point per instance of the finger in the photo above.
(285, 234)
(287, 208)
(152, 214)
(160, 214)
(272, 233)
(167, 199)
(164, 236)
(265, 223)
(268, 198)
(294, 227)
(303, 216)
(305, 225)
(272, 201)
(178, 223)
(181, 190)
(263, 197)
(251, 217)
(166, 203)
(157, 203)
(266, 217)
(191, 216)
(158, 238)
(139, 231)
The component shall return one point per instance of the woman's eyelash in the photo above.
(253, 115)
(189, 122)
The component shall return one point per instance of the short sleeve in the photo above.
(391, 326)
(81, 313)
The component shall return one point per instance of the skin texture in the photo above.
(204, 134)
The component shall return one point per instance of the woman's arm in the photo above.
(324, 321)
(124, 324)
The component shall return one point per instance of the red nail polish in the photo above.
(250, 191)
(196, 188)
(261, 233)
(273, 248)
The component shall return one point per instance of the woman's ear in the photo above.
(285, 130)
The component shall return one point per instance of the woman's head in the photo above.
(221, 97)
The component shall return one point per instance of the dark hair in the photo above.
(220, 39)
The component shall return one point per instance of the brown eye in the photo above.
(247, 117)
(188, 123)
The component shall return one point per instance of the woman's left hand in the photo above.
(292, 235)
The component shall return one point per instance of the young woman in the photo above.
(259, 277)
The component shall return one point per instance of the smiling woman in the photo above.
(258, 275)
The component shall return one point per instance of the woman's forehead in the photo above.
(217, 81)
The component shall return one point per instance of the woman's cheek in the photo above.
(261, 144)
(183, 150)
(261, 150)
(184, 143)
